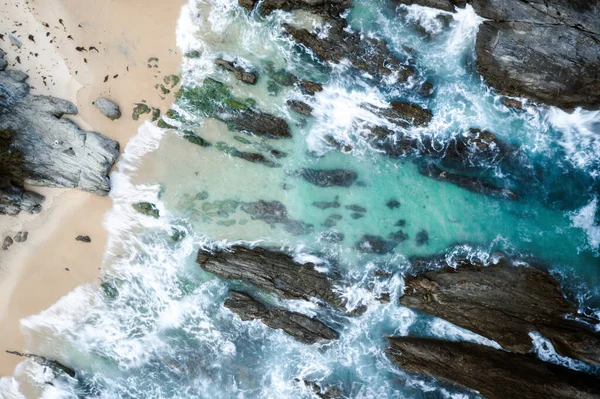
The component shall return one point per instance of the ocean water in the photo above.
(155, 327)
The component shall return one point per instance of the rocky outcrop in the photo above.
(325, 7)
(550, 63)
(271, 271)
(238, 71)
(545, 50)
(108, 108)
(446, 5)
(329, 178)
(301, 327)
(55, 366)
(495, 374)
(300, 107)
(338, 42)
(504, 303)
(39, 147)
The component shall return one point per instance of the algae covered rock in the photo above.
(108, 108)
(146, 208)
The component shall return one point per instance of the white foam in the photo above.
(584, 218)
(544, 349)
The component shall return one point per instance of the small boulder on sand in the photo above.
(108, 108)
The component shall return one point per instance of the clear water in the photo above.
(156, 327)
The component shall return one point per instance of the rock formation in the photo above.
(39, 147)
(271, 271)
(495, 374)
(108, 108)
(504, 303)
(303, 328)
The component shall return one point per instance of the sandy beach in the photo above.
(79, 51)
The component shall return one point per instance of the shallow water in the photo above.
(156, 327)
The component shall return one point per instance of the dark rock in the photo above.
(339, 42)
(302, 328)
(329, 178)
(54, 365)
(146, 208)
(274, 212)
(393, 204)
(550, 64)
(325, 7)
(14, 199)
(239, 72)
(85, 239)
(467, 182)
(398, 236)
(404, 114)
(374, 244)
(326, 205)
(356, 208)
(504, 303)
(422, 238)
(332, 220)
(495, 374)
(324, 391)
(357, 215)
(400, 223)
(8, 241)
(384, 298)
(427, 89)
(272, 271)
(108, 108)
(21, 236)
(248, 156)
(195, 139)
(278, 154)
(512, 103)
(214, 100)
(446, 5)
(476, 148)
(300, 107)
(309, 87)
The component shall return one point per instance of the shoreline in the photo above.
(118, 39)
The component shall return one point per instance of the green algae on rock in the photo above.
(146, 208)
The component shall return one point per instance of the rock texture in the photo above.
(326, 7)
(493, 373)
(39, 147)
(504, 303)
(273, 213)
(108, 108)
(545, 50)
(329, 178)
(303, 328)
(238, 71)
(271, 271)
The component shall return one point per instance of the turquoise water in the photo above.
(156, 327)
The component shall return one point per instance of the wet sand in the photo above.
(80, 51)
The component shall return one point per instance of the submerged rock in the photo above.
(504, 303)
(253, 157)
(108, 108)
(300, 107)
(329, 178)
(393, 204)
(495, 374)
(356, 208)
(301, 327)
(326, 205)
(404, 114)
(274, 212)
(238, 71)
(470, 183)
(375, 244)
(273, 271)
(213, 99)
(324, 7)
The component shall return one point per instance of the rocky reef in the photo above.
(543, 50)
(41, 148)
(495, 374)
(504, 302)
(302, 328)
